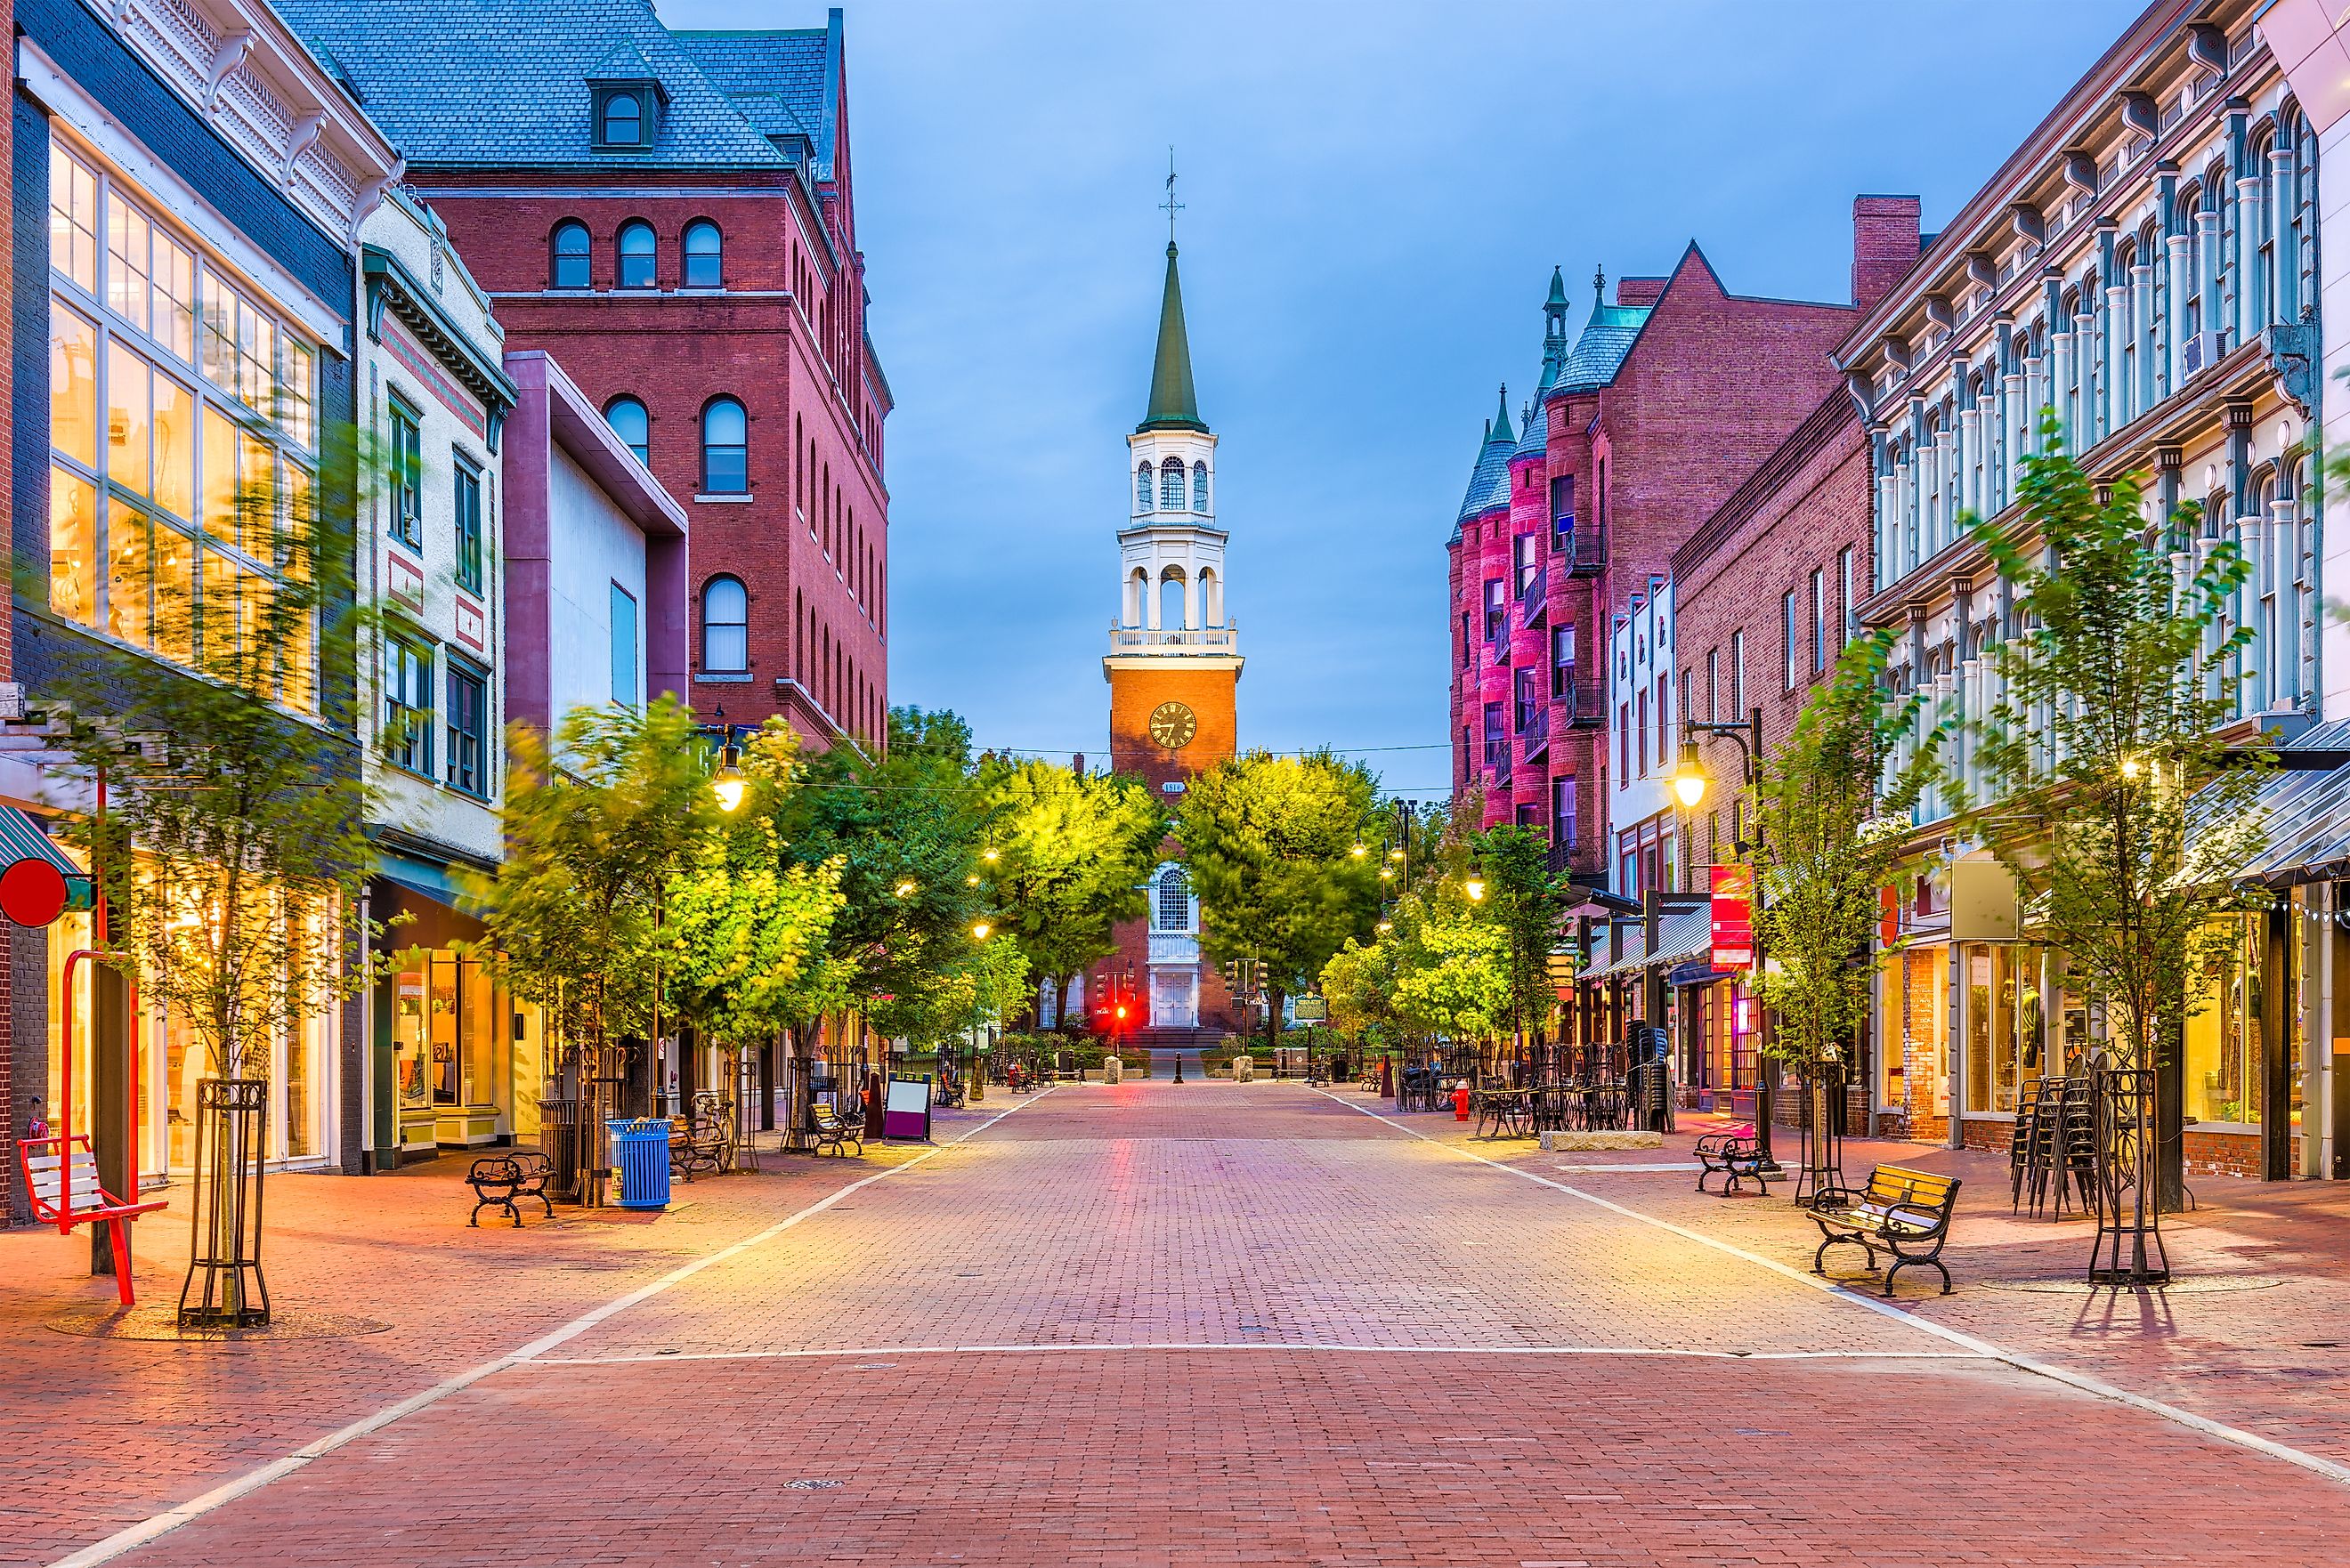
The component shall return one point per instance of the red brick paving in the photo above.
(1213, 1215)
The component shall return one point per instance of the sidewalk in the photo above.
(98, 1433)
(2251, 1333)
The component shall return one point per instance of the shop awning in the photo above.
(423, 889)
(1682, 934)
(2304, 812)
(21, 838)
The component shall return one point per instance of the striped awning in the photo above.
(21, 838)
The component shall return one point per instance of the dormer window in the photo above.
(620, 120)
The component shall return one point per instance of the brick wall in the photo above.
(1804, 505)
(811, 545)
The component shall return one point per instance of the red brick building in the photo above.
(671, 216)
(1667, 400)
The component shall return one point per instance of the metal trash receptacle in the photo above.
(640, 1154)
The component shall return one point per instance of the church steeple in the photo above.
(1174, 405)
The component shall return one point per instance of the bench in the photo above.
(1736, 1154)
(706, 1142)
(832, 1131)
(497, 1179)
(61, 1178)
(1907, 1212)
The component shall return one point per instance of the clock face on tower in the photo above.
(1172, 725)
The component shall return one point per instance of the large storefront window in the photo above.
(2006, 1023)
(451, 1065)
(183, 433)
(1912, 1042)
(2224, 1058)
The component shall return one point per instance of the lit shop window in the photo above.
(182, 417)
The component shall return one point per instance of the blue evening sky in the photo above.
(1375, 195)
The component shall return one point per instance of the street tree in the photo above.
(1833, 818)
(231, 850)
(1269, 843)
(1067, 860)
(599, 821)
(2113, 689)
(748, 929)
(1525, 900)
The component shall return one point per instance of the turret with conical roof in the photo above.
(1174, 404)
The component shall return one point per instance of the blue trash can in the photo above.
(640, 1154)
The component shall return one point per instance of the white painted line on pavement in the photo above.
(2316, 1464)
(1667, 1352)
(136, 1535)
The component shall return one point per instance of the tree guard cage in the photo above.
(2129, 1250)
(225, 1288)
(1823, 1133)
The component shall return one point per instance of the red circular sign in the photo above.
(32, 892)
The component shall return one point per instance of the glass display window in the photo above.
(2006, 1023)
(2224, 1052)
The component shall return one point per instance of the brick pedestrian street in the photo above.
(1151, 1324)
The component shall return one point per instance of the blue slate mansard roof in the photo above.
(1599, 352)
(475, 83)
(1489, 481)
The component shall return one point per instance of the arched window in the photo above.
(1212, 600)
(704, 253)
(1137, 593)
(1170, 486)
(571, 254)
(1170, 599)
(630, 422)
(1171, 904)
(725, 627)
(725, 447)
(1200, 487)
(1142, 487)
(624, 120)
(636, 254)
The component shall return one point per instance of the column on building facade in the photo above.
(2148, 325)
(2286, 247)
(2210, 270)
(2249, 302)
(2291, 524)
(2178, 258)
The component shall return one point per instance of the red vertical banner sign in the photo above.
(1888, 917)
(1733, 917)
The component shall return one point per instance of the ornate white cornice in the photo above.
(254, 83)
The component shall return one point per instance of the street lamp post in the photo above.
(1689, 783)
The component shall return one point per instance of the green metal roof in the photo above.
(1174, 403)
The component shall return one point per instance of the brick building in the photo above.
(671, 216)
(1664, 404)
(2145, 265)
(1766, 593)
(186, 181)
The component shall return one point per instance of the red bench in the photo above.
(61, 1176)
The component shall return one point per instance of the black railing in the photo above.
(1531, 582)
(1583, 548)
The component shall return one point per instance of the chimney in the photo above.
(1885, 245)
(1640, 291)
(1077, 764)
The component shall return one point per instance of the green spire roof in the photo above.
(1557, 288)
(1500, 428)
(1174, 405)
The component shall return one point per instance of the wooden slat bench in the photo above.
(61, 1178)
(1907, 1212)
(833, 1131)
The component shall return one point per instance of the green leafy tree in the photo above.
(1269, 845)
(1833, 818)
(907, 833)
(1067, 859)
(1525, 900)
(232, 849)
(598, 825)
(1452, 973)
(2113, 695)
(748, 931)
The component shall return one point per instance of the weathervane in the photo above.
(1171, 207)
(1599, 284)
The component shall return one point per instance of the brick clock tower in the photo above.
(1174, 661)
